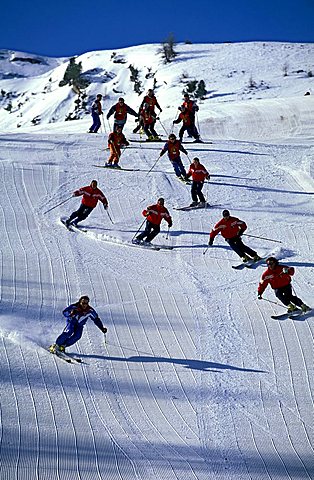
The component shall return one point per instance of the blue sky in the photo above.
(64, 28)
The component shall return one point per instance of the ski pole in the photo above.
(152, 166)
(58, 205)
(162, 126)
(109, 216)
(275, 303)
(262, 238)
(205, 251)
(139, 229)
(103, 122)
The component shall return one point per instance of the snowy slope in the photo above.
(196, 380)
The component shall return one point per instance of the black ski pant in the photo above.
(238, 247)
(191, 131)
(150, 232)
(149, 130)
(286, 296)
(81, 213)
(196, 191)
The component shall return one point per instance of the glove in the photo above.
(240, 233)
(160, 110)
(105, 205)
(137, 119)
(285, 270)
(259, 296)
(157, 118)
(75, 194)
(211, 241)
(104, 330)
(170, 224)
(127, 144)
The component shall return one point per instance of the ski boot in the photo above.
(193, 204)
(292, 308)
(305, 308)
(256, 258)
(245, 258)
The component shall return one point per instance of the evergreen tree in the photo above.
(201, 91)
(167, 49)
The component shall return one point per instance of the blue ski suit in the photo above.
(76, 319)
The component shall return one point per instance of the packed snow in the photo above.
(195, 379)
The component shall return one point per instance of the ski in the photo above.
(65, 357)
(190, 207)
(249, 264)
(182, 180)
(123, 169)
(299, 314)
(284, 316)
(152, 246)
(68, 227)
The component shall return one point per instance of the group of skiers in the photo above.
(231, 228)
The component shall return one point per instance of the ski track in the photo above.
(195, 381)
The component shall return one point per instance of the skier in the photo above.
(120, 111)
(174, 147)
(231, 228)
(279, 278)
(188, 125)
(192, 108)
(116, 139)
(148, 120)
(154, 215)
(76, 315)
(150, 100)
(198, 173)
(91, 195)
(96, 112)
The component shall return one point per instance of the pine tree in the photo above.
(201, 91)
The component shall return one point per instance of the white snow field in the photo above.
(196, 380)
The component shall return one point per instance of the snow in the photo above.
(196, 381)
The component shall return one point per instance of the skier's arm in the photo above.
(131, 111)
(97, 321)
(111, 111)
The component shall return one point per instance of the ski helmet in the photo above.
(161, 200)
(226, 213)
(272, 260)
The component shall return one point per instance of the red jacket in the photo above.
(275, 278)
(147, 117)
(185, 117)
(117, 139)
(198, 172)
(91, 196)
(174, 149)
(152, 102)
(155, 214)
(228, 227)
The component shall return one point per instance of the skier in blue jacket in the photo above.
(76, 315)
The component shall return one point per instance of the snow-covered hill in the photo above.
(31, 95)
(196, 380)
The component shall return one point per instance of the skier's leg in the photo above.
(181, 133)
(194, 191)
(146, 232)
(83, 214)
(199, 186)
(236, 246)
(66, 334)
(154, 232)
(78, 331)
(77, 213)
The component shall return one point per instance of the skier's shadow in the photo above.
(192, 364)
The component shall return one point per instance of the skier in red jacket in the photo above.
(120, 111)
(231, 228)
(279, 278)
(91, 195)
(198, 173)
(154, 215)
(188, 125)
(116, 139)
(174, 147)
